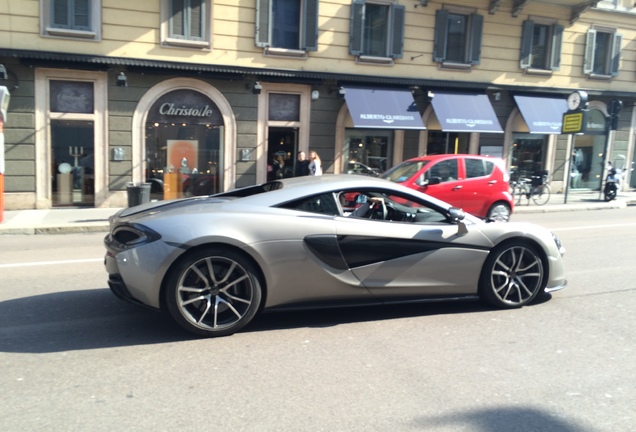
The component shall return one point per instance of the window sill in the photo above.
(60, 32)
(284, 52)
(456, 66)
(184, 43)
(384, 61)
(532, 71)
(600, 77)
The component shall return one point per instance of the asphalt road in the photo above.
(75, 358)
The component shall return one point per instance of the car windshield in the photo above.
(404, 171)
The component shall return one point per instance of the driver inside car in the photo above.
(365, 207)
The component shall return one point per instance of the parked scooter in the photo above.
(612, 183)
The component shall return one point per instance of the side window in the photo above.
(602, 53)
(445, 170)
(540, 46)
(382, 205)
(322, 204)
(457, 37)
(287, 25)
(478, 167)
(377, 30)
(71, 18)
(186, 23)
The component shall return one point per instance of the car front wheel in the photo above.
(213, 292)
(499, 212)
(512, 276)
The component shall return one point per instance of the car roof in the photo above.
(283, 190)
(448, 156)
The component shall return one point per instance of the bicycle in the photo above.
(535, 187)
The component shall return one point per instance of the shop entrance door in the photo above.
(73, 163)
(282, 147)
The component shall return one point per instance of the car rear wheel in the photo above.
(213, 292)
(499, 212)
(512, 276)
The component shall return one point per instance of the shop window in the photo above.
(457, 37)
(602, 53)
(440, 142)
(287, 27)
(187, 23)
(184, 146)
(528, 155)
(377, 31)
(71, 18)
(540, 46)
(369, 150)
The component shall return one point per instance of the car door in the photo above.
(411, 259)
(442, 180)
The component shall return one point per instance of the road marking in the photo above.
(593, 226)
(42, 263)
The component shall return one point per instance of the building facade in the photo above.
(200, 96)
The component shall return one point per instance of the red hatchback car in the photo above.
(477, 184)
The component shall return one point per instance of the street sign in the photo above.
(574, 122)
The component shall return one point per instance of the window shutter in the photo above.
(81, 18)
(525, 54)
(441, 31)
(557, 43)
(59, 12)
(310, 25)
(476, 28)
(176, 19)
(590, 42)
(197, 13)
(616, 54)
(356, 28)
(263, 21)
(397, 31)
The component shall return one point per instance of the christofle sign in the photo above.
(172, 110)
(185, 106)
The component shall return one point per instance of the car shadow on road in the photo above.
(94, 318)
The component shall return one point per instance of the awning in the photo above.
(543, 115)
(463, 112)
(382, 108)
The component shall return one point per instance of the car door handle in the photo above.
(457, 188)
(492, 182)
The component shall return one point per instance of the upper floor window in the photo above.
(541, 46)
(377, 30)
(457, 37)
(71, 18)
(287, 27)
(186, 23)
(602, 53)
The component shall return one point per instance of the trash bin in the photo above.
(138, 193)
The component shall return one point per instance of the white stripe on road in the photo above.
(41, 263)
(593, 227)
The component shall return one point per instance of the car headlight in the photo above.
(559, 246)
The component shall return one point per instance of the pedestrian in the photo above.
(302, 165)
(315, 165)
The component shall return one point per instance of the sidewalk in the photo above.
(84, 220)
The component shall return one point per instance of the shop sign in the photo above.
(185, 106)
(596, 123)
(574, 122)
(71, 97)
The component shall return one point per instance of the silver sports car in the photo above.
(214, 262)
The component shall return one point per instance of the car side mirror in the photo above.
(434, 181)
(456, 214)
